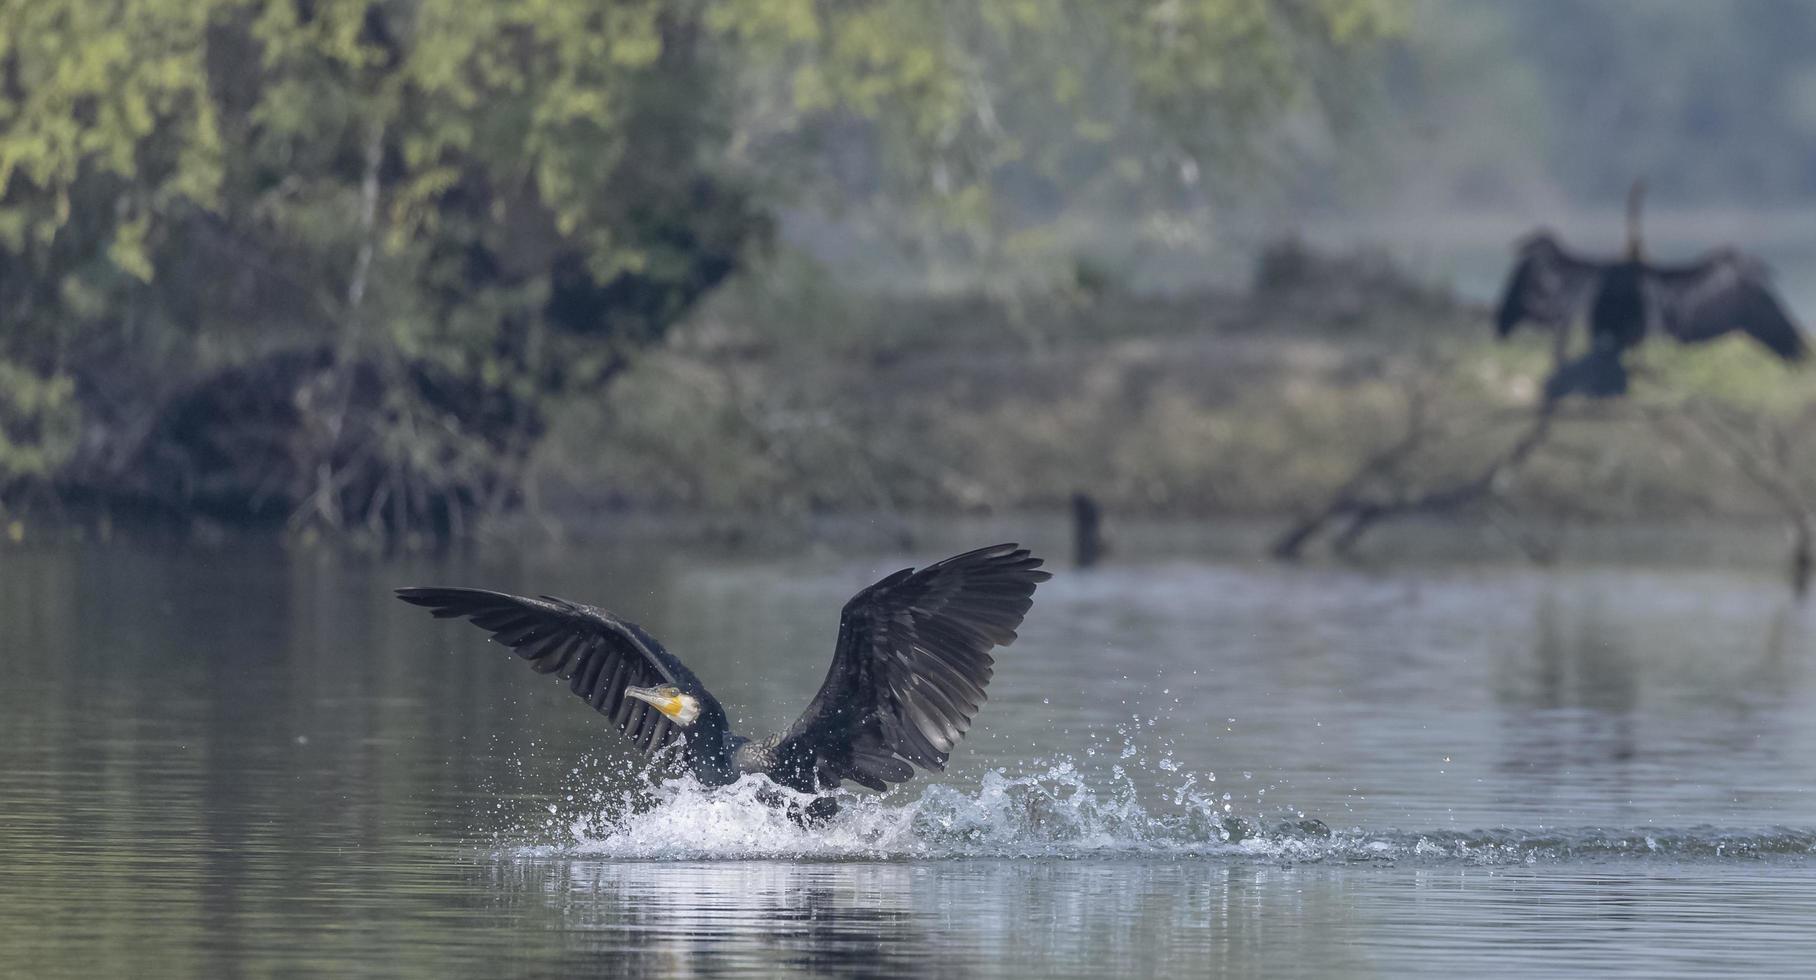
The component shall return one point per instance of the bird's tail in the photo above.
(1597, 374)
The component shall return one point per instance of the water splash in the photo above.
(1055, 812)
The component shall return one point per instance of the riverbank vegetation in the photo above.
(338, 265)
(787, 400)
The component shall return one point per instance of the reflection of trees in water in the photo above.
(1571, 708)
(1573, 711)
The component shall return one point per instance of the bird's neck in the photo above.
(710, 745)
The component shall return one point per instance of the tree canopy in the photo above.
(477, 208)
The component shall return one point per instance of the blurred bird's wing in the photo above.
(1547, 286)
(1723, 292)
(909, 672)
(598, 654)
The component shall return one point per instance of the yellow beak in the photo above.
(677, 707)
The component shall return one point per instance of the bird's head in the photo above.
(675, 704)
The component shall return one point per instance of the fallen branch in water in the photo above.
(1758, 449)
(1377, 493)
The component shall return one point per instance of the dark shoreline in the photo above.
(1747, 545)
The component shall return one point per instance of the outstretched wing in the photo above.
(909, 673)
(1547, 286)
(598, 654)
(1724, 292)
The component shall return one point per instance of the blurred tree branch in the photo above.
(1756, 442)
(1380, 490)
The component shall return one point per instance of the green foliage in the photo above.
(1193, 410)
(1734, 371)
(516, 193)
(131, 131)
(518, 196)
(38, 424)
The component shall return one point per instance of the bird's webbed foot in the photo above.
(814, 813)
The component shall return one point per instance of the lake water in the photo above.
(256, 763)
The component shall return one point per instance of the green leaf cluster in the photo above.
(520, 195)
(39, 424)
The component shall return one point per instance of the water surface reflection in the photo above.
(257, 763)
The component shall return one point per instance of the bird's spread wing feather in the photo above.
(1724, 292)
(1547, 286)
(598, 654)
(909, 672)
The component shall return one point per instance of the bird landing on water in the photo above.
(907, 677)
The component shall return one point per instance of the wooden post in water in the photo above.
(1087, 531)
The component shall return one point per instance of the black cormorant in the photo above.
(908, 673)
(1628, 299)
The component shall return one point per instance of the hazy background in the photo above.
(397, 270)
